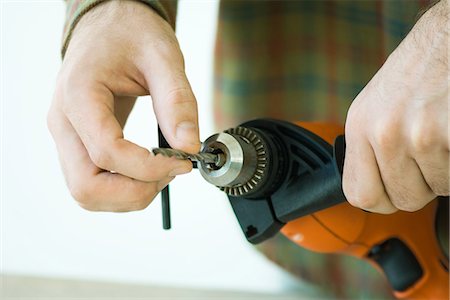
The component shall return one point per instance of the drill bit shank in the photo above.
(207, 158)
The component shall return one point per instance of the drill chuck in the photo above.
(242, 163)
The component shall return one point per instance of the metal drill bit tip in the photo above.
(207, 158)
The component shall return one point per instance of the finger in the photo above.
(93, 188)
(135, 195)
(403, 181)
(429, 147)
(91, 113)
(174, 103)
(434, 167)
(362, 183)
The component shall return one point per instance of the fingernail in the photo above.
(178, 171)
(187, 131)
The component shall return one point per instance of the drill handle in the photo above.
(314, 191)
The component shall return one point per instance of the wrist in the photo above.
(424, 49)
(430, 34)
(76, 12)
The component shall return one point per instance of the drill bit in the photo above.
(207, 158)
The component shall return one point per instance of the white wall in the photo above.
(43, 231)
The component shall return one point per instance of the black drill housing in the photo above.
(303, 176)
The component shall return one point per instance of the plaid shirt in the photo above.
(298, 60)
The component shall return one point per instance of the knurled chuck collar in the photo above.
(242, 162)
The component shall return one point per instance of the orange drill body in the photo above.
(351, 231)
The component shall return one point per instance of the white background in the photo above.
(44, 232)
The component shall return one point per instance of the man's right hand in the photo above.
(120, 50)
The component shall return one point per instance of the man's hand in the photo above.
(120, 50)
(397, 128)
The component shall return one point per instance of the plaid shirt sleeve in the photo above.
(75, 10)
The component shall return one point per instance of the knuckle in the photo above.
(181, 96)
(385, 133)
(358, 198)
(423, 137)
(364, 202)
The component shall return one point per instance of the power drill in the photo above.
(286, 177)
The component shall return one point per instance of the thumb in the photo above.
(174, 102)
